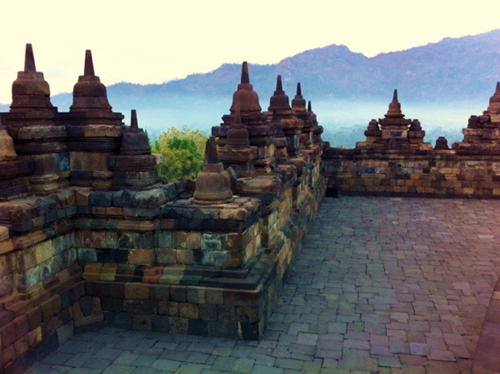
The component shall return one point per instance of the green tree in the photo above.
(182, 153)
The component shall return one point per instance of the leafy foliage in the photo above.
(182, 152)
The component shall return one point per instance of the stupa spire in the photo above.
(279, 101)
(246, 98)
(279, 84)
(211, 152)
(245, 77)
(133, 119)
(309, 106)
(395, 107)
(89, 64)
(29, 58)
(298, 102)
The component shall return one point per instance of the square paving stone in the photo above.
(78, 360)
(307, 339)
(260, 369)
(243, 365)
(166, 365)
(97, 363)
(118, 369)
(57, 358)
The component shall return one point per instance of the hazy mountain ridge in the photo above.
(440, 83)
(452, 69)
(459, 68)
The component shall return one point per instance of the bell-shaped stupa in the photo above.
(89, 94)
(213, 184)
(30, 91)
(135, 140)
(237, 152)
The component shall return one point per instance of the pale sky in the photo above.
(152, 41)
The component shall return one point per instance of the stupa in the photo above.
(260, 134)
(94, 131)
(32, 123)
(134, 165)
(237, 152)
(31, 93)
(13, 172)
(294, 131)
(213, 184)
(394, 131)
(281, 115)
(482, 135)
(89, 94)
(441, 144)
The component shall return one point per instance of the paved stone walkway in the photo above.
(383, 285)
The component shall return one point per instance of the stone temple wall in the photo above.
(431, 174)
(395, 161)
(90, 236)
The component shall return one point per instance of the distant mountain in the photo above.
(452, 69)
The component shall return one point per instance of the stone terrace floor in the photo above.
(382, 285)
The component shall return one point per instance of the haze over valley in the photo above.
(441, 84)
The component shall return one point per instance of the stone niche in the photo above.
(91, 237)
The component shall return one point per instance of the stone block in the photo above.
(165, 239)
(207, 312)
(142, 322)
(35, 337)
(22, 326)
(185, 256)
(173, 309)
(43, 251)
(51, 307)
(140, 307)
(135, 240)
(6, 246)
(241, 298)
(214, 296)
(198, 327)
(137, 291)
(250, 315)
(8, 335)
(178, 294)
(35, 317)
(188, 310)
(180, 240)
(166, 256)
(163, 307)
(221, 329)
(211, 242)
(193, 240)
(141, 257)
(160, 324)
(160, 292)
(86, 255)
(178, 325)
(233, 241)
(195, 295)
(117, 289)
(95, 288)
(112, 304)
(226, 313)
